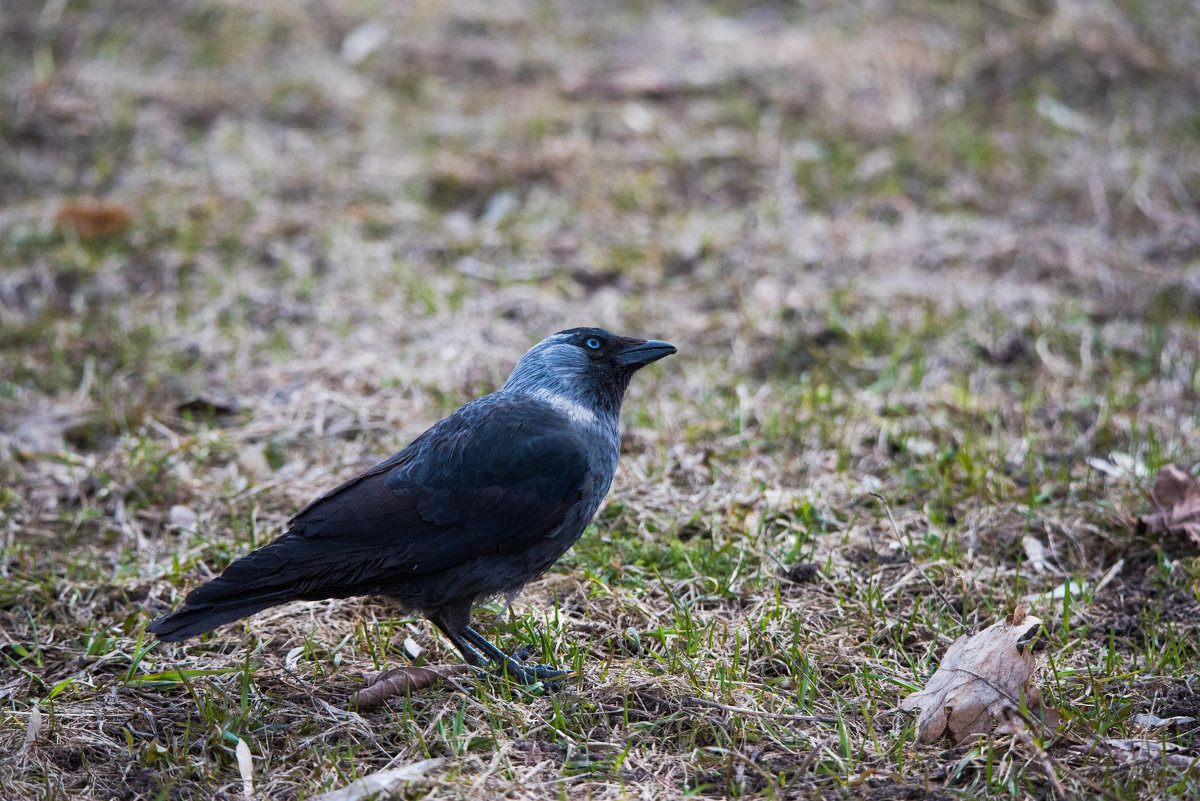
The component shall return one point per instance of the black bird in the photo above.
(475, 507)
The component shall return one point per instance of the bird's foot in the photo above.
(509, 666)
(532, 674)
(540, 670)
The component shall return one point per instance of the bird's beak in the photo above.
(644, 351)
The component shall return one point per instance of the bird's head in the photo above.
(584, 369)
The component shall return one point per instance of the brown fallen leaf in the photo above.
(1176, 503)
(89, 220)
(402, 681)
(981, 681)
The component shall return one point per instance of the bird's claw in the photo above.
(537, 672)
(475, 648)
(546, 672)
(532, 674)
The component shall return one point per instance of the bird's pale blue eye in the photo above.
(593, 343)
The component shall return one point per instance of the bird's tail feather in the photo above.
(290, 568)
(197, 616)
(269, 576)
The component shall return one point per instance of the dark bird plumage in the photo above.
(475, 507)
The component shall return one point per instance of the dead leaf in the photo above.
(402, 681)
(1133, 750)
(32, 728)
(1148, 721)
(245, 768)
(1176, 503)
(89, 220)
(382, 784)
(981, 681)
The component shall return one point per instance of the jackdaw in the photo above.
(475, 507)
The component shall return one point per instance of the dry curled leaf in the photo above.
(1176, 502)
(402, 681)
(89, 220)
(981, 681)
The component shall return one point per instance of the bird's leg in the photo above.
(529, 674)
(470, 655)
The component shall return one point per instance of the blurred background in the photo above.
(343, 217)
(373, 187)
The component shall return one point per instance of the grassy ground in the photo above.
(935, 259)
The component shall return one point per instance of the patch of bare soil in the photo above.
(1133, 609)
(905, 792)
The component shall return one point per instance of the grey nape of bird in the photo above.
(475, 507)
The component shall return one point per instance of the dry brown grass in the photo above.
(938, 254)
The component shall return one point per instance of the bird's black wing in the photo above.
(494, 477)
